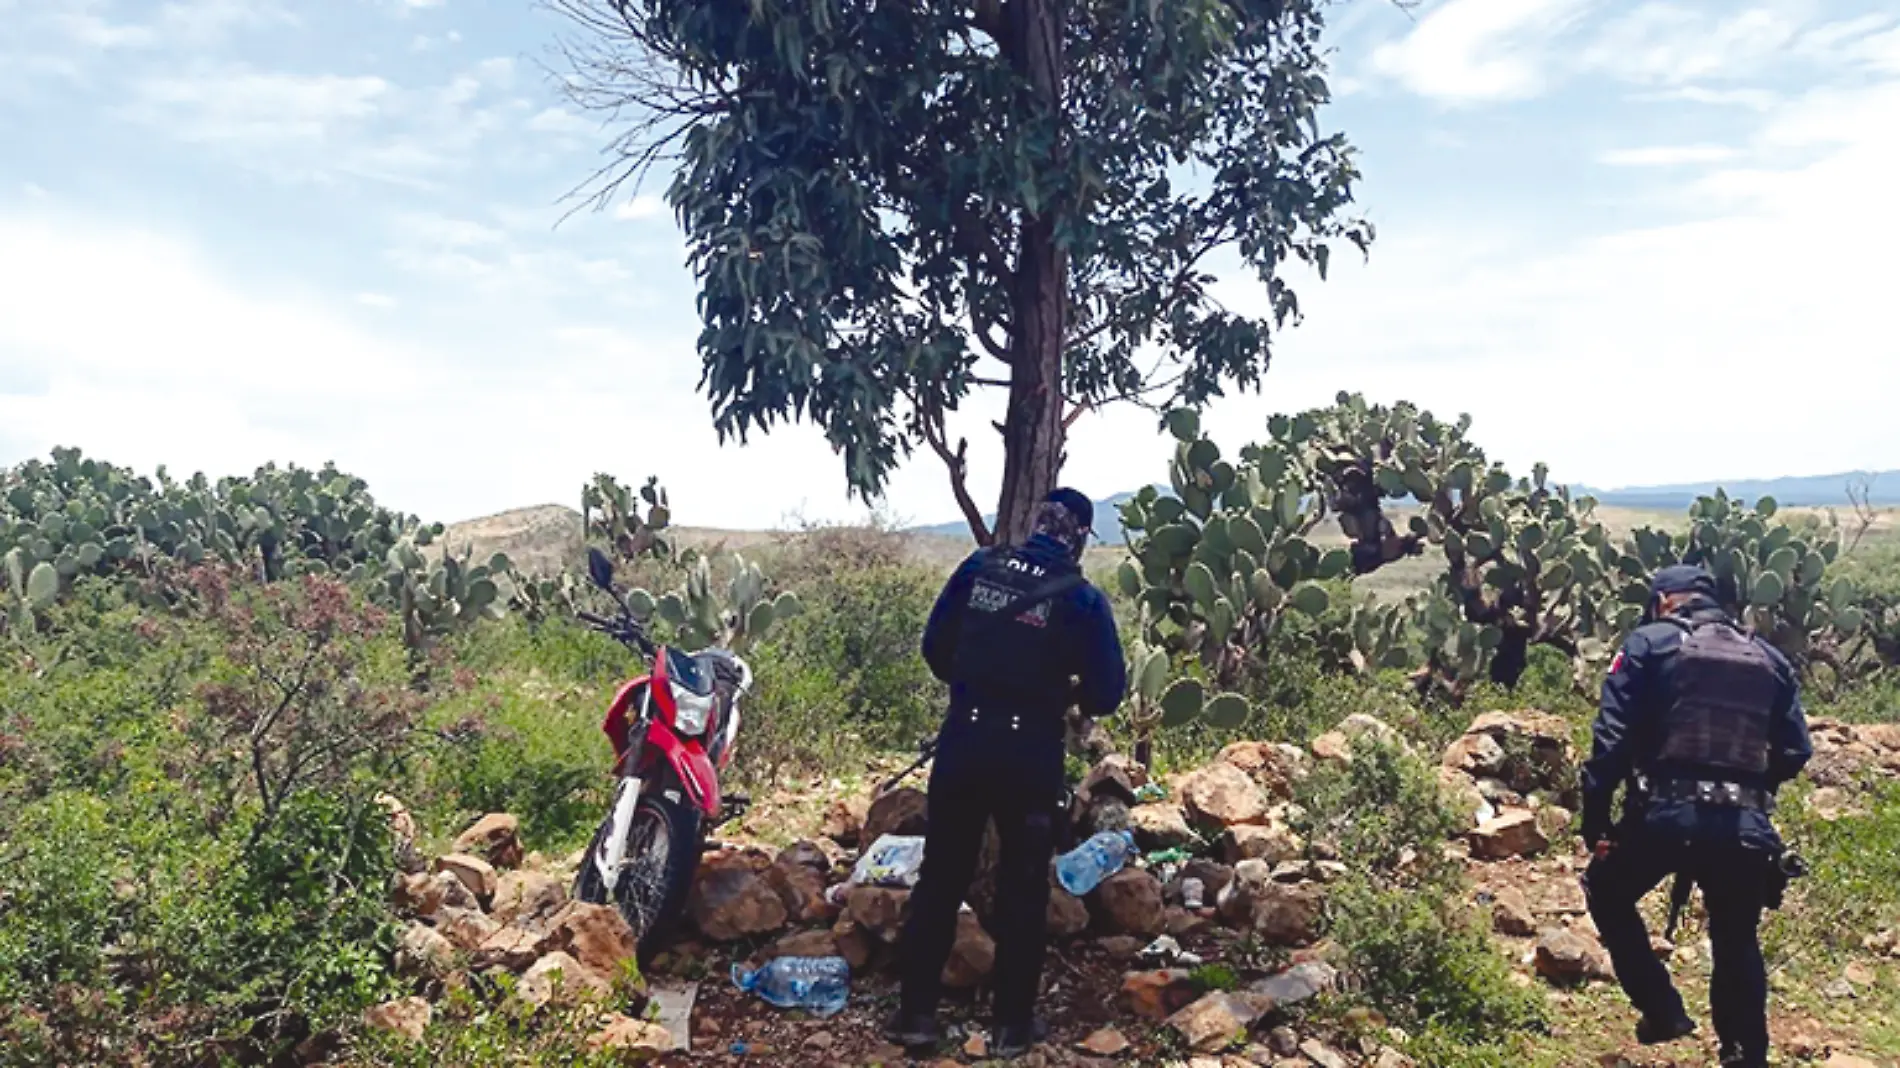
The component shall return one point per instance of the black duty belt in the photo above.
(1704, 792)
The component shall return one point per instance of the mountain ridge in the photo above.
(1794, 491)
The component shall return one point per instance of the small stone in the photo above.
(819, 1041)
(1568, 957)
(819, 943)
(1332, 748)
(1218, 1020)
(878, 910)
(512, 948)
(1221, 795)
(1512, 834)
(1129, 902)
(408, 1017)
(473, 872)
(1067, 915)
(423, 951)
(1860, 974)
(1115, 775)
(1299, 983)
(1391, 1058)
(801, 888)
(843, 821)
(1119, 947)
(1838, 990)
(1160, 825)
(528, 898)
(465, 929)
(972, 955)
(1271, 843)
(1284, 1041)
(899, 811)
(1323, 1055)
(1281, 913)
(976, 1045)
(1158, 994)
(554, 975)
(495, 837)
(630, 1039)
(1847, 1060)
(1511, 914)
(1106, 1042)
(595, 935)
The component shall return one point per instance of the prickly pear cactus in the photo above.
(439, 596)
(734, 617)
(614, 513)
(1219, 566)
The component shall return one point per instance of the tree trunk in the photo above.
(1032, 429)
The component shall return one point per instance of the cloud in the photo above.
(1666, 155)
(561, 121)
(643, 206)
(1479, 50)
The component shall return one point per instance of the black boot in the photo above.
(1014, 1040)
(1733, 1056)
(1653, 1032)
(912, 1030)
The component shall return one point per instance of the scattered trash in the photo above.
(1193, 891)
(1083, 868)
(892, 860)
(818, 985)
(1166, 951)
(1149, 791)
(739, 1049)
(671, 1006)
(1162, 857)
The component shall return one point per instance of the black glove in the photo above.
(1596, 824)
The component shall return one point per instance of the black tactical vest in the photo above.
(1723, 689)
(1004, 658)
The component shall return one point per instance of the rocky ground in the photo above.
(1134, 974)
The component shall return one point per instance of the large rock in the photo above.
(802, 890)
(1221, 795)
(1115, 775)
(1105, 813)
(878, 910)
(528, 899)
(474, 872)
(844, 820)
(595, 935)
(1528, 750)
(1511, 913)
(1286, 914)
(1158, 994)
(1129, 902)
(1566, 957)
(1302, 982)
(558, 976)
(408, 1017)
(423, 894)
(1272, 843)
(972, 955)
(1335, 746)
(1274, 767)
(856, 945)
(1067, 915)
(466, 929)
(1512, 834)
(731, 900)
(1160, 825)
(495, 837)
(900, 811)
(1218, 1020)
(512, 948)
(1214, 876)
(422, 951)
(630, 1040)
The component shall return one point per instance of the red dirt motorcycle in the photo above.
(672, 731)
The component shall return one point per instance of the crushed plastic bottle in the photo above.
(1083, 868)
(818, 985)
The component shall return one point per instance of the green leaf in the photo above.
(1182, 703)
(1199, 582)
(1128, 577)
(1152, 674)
(1769, 589)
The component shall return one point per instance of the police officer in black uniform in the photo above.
(1702, 722)
(1020, 637)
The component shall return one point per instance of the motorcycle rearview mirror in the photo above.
(600, 569)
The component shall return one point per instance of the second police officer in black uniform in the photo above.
(1020, 637)
(1702, 722)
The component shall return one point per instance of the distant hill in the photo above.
(1809, 491)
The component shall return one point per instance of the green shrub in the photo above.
(1385, 811)
(1415, 954)
(56, 895)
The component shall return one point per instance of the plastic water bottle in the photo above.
(1083, 868)
(818, 985)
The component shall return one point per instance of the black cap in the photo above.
(1682, 578)
(1077, 504)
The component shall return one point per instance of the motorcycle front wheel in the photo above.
(656, 872)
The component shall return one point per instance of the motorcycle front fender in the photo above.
(613, 847)
(690, 763)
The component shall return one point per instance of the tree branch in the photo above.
(930, 424)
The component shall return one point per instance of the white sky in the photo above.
(1645, 242)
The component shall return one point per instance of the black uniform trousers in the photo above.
(963, 800)
(1733, 881)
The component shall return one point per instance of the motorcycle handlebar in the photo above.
(626, 631)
